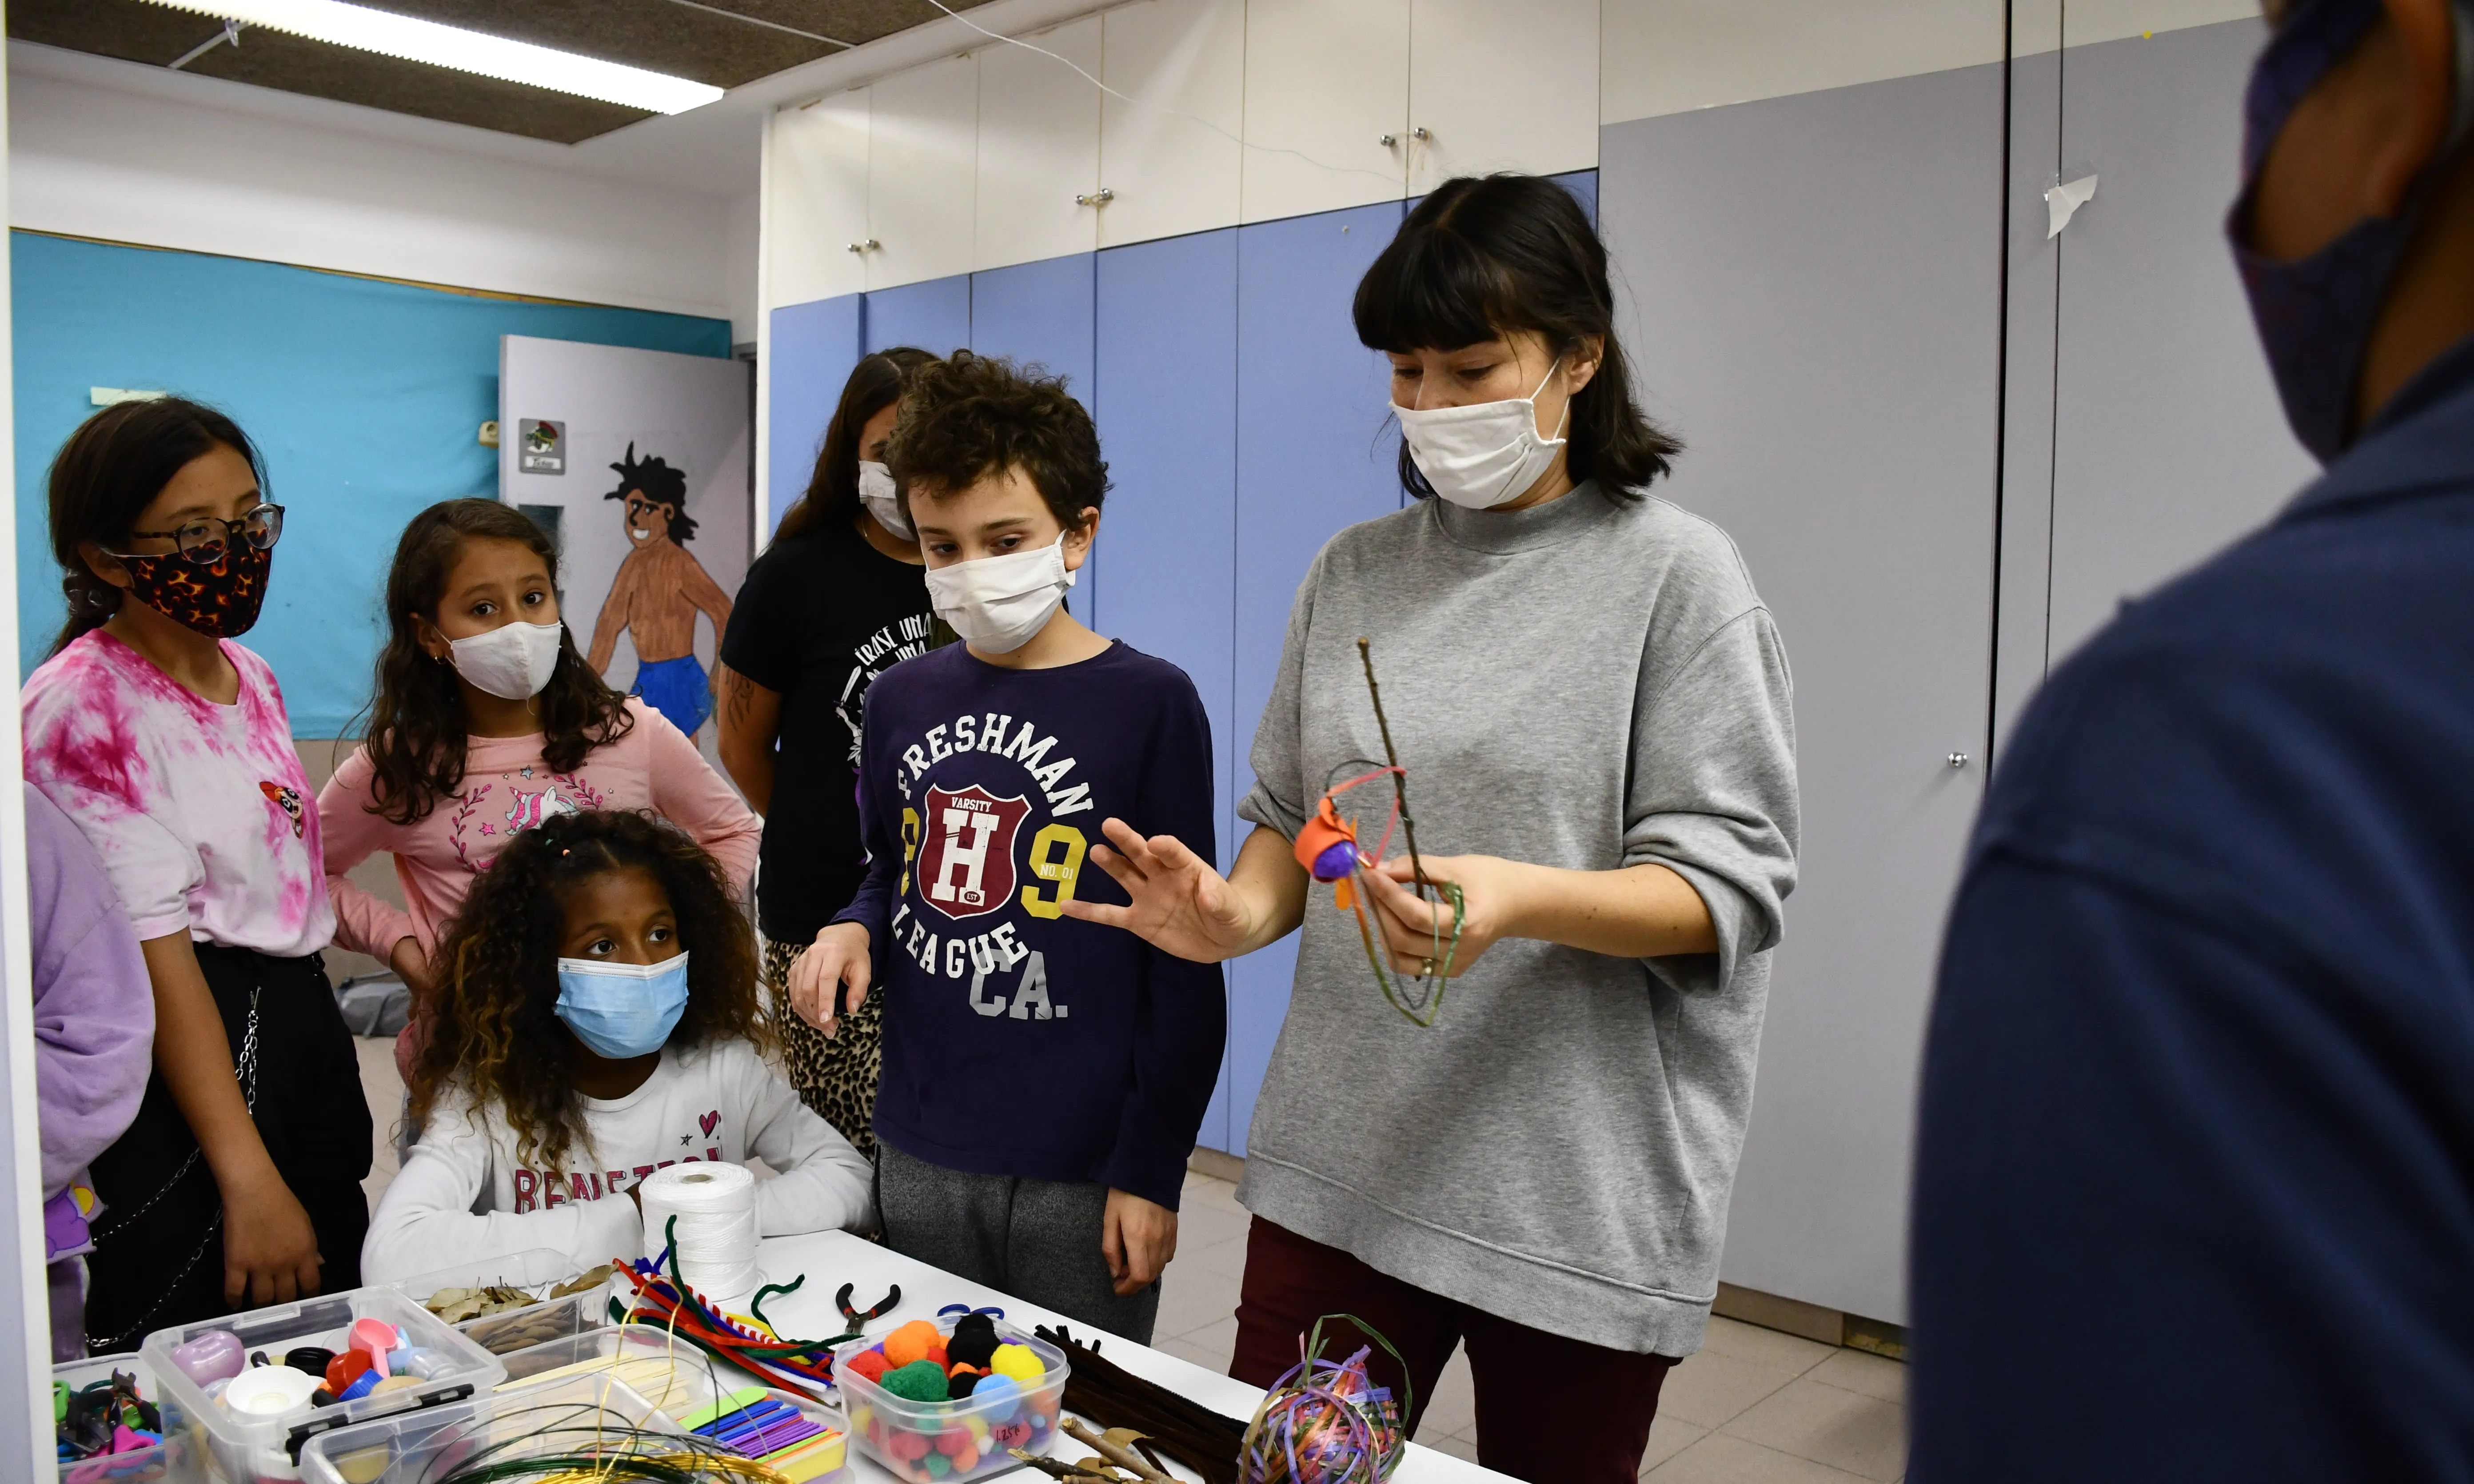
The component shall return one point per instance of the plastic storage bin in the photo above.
(173, 1461)
(671, 1372)
(970, 1436)
(536, 1272)
(570, 1415)
(244, 1449)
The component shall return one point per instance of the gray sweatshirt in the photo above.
(1584, 685)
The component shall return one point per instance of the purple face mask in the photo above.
(2315, 314)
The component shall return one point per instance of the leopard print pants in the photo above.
(836, 1077)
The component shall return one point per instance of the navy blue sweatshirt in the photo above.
(2194, 1186)
(1017, 1040)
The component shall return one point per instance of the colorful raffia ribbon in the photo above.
(1325, 1421)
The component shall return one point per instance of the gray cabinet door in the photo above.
(1815, 307)
(2168, 439)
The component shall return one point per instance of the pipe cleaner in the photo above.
(803, 1367)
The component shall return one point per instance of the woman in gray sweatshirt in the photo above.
(1592, 708)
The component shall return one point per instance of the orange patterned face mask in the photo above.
(220, 599)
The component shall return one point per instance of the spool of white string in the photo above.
(715, 1206)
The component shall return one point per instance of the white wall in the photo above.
(742, 233)
(128, 154)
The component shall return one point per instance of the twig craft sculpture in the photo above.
(1328, 848)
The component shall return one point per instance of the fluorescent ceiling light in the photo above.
(466, 51)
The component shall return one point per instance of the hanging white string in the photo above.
(715, 1206)
(1416, 145)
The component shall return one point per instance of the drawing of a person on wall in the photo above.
(658, 592)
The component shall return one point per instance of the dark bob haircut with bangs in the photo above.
(1488, 256)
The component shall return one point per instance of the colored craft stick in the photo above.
(761, 1440)
(809, 1460)
(748, 1439)
(749, 1416)
(704, 1417)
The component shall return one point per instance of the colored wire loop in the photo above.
(1418, 1008)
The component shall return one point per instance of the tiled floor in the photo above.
(1753, 1407)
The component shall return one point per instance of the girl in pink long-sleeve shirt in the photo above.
(486, 723)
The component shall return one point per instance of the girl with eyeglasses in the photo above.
(166, 743)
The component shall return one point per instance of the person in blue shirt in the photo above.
(2194, 1184)
(1044, 1075)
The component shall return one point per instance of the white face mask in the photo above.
(512, 662)
(876, 492)
(996, 603)
(1483, 455)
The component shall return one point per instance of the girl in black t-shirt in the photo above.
(835, 601)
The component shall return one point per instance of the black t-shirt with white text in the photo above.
(818, 619)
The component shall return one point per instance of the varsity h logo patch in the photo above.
(966, 858)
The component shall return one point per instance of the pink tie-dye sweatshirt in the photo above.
(200, 811)
(508, 788)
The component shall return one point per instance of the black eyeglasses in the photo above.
(202, 541)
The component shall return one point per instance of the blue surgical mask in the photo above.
(2316, 314)
(622, 1009)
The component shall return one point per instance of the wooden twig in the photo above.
(1399, 776)
(1117, 1453)
(1056, 1469)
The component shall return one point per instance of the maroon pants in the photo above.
(1549, 1407)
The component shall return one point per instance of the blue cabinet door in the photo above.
(813, 347)
(1165, 365)
(1040, 314)
(1315, 452)
(934, 316)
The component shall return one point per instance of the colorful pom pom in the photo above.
(1018, 1362)
(973, 1326)
(995, 1399)
(960, 1383)
(918, 1382)
(871, 1364)
(972, 1344)
(913, 1342)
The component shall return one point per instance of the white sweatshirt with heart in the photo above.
(464, 1194)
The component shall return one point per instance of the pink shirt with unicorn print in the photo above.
(509, 788)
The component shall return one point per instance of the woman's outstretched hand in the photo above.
(1414, 929)
(1180, 905)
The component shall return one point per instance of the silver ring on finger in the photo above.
(1425, 968)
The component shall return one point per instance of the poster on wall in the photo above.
(636, 465)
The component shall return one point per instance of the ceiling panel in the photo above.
(725, 43)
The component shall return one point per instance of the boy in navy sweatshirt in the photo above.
(1043, 1077)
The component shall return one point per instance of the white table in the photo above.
(832, 1258)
